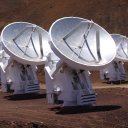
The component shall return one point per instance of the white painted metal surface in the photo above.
(23, 42)
(122, 47)
(71, 86)
(115, 70)
(82, 43)
(75, 46)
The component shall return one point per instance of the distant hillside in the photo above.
(110, 14)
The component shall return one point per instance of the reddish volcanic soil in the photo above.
(33, 111)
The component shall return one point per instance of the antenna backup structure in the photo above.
(4, 57)
(115, 72)
(22, 41)
(77, 46)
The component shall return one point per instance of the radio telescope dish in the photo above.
(122, 46)
(24, 42)
(4, 57)
(82, 43)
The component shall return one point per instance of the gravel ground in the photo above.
(33, 111)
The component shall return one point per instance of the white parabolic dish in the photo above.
(122, 47)
(4, 57)
(82, 43)
(23, 41)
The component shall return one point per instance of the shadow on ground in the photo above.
(84, 109)
(25, 96)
